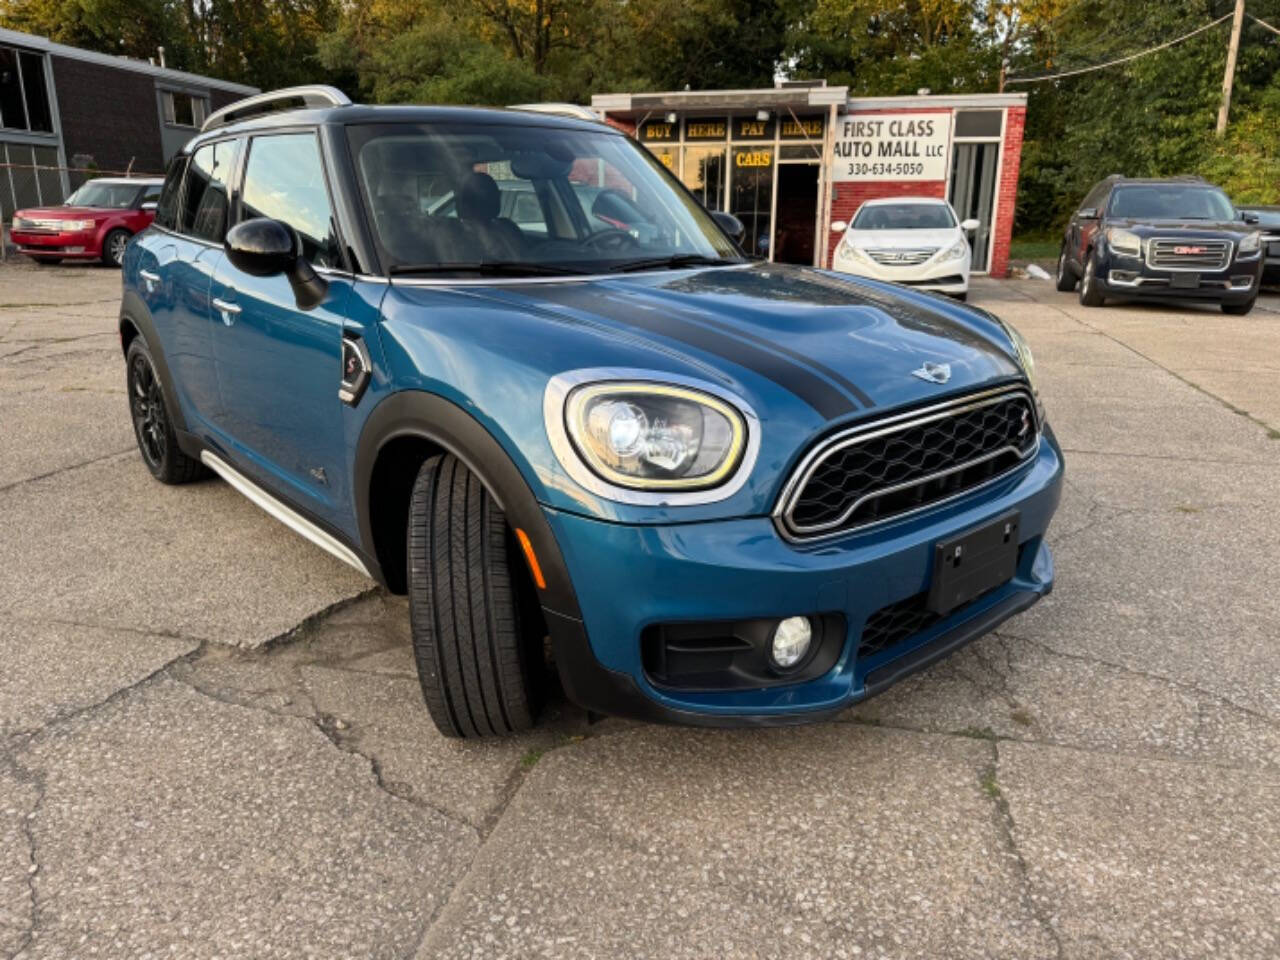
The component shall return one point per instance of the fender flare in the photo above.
(134, 311)
(416, 413)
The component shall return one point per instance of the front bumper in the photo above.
(628, 577)
(78, 245)
(947, 276)
(1130, 277)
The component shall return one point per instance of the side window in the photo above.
(167, 210)
(284, 180)
(1095, 197)
(207, 198)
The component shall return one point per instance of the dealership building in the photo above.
(792, 160)
(67, 113)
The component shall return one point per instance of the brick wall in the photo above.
(108, 114)
(1007, 198)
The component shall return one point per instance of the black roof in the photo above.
(361, 113)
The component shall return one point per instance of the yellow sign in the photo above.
(753, 158)
(696, 130)
(659, 131)
(752, 128)
(809, 127)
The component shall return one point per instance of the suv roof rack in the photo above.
(277, 101)
(559, 109)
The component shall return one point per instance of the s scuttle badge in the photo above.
(933, 372)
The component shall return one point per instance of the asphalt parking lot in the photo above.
(212, 743)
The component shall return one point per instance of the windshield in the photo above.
(544, 197)
(904, 216)
(1160, 202)
(112, 196)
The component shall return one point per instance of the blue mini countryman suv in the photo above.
(504, 362)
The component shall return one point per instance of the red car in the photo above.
(95, 223)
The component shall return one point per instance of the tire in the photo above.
(47, 261)
(152, 426)
(465, 610)
(1239, 309)
(1067, 278)
(113, 245)
(1090, 295)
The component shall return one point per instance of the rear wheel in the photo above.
(1239, 309)
(113, 245)
(479, 676)
(1090, 294)
(1066, 278)
(152, 426)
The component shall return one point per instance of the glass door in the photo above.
(974, 167)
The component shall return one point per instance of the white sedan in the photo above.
(917, 241)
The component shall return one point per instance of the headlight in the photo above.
(20, 224)
(1027, 362)
(1124, 242)
(652, 436)
(957, 250)
(856, 252)
(1252, 243)
(74, 226)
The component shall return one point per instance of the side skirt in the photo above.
(289, 517)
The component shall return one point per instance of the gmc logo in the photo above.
(1189, 251)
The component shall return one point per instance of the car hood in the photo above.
(1149, 227)
(842, 345)
(902, 239)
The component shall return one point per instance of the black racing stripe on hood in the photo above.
(822, 368)
(770, 364)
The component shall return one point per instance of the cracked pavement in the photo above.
(212, 742)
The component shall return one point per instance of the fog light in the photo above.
(791, 640)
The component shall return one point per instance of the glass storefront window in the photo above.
(669, 157)
(13, 112)
(704, 175)
(753, 196)
(39, 117)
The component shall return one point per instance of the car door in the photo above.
(279, 365)
(176, 272)
(1084, 228)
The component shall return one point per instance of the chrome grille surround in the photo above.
(38, 225)
(894, 257)
(794, 489)
(1162, 254)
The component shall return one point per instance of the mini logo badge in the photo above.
(933, 372)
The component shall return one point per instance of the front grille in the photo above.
(891, 467)
(37, 225)
(1180, 254)
(891, 625)
(901, 258)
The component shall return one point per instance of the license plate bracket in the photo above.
(1185, 281)
(971, 563)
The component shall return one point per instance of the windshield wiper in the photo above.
(673, 262)
(499, 268)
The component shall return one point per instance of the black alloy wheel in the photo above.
(151, 424)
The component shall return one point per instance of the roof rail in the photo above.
(559, 109)
(290, 98)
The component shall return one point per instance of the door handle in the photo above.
(152, 279)
(227, 309)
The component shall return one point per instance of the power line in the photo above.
(1262, 23)
(1132, 56)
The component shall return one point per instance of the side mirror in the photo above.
(1248, 216)
(1087, 213)
(149, 206)
(839, 226)
(730, 225)
(970, 225)
(265, 248)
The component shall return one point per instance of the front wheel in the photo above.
(152, 426)
(1090, 294)
(1239, 309)
(113, 246)
(1066, 279)
(477, 667)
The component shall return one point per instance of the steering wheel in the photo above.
(611, 239)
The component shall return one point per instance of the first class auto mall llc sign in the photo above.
(891, 146)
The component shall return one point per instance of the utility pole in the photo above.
(1229, 77)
